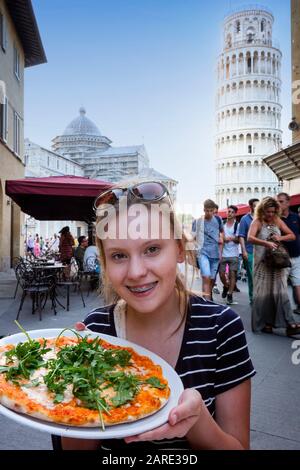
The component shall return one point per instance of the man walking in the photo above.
(247, 248)
(292, 220)
(209, 234)
(230, 254)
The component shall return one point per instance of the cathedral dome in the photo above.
(82, 125)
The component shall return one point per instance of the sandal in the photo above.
(293, 329)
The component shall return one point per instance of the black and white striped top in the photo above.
(213, 358)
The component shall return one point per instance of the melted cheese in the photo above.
(40, 393)
(2, 359)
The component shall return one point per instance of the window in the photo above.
(3, 119)
(238, 26)
(249, 65)
(3, 33)
(249, 148)
(17, 68)
(17, 133)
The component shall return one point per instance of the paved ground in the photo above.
(275, 422)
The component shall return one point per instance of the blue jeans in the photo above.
(208, 266)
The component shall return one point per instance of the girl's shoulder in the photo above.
(203, 310)
(100, 318)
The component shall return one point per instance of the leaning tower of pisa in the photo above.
(248, 109)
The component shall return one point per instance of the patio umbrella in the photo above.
(56, 197)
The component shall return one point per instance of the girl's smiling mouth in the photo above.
(142, 289)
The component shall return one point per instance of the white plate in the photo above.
(112, 432)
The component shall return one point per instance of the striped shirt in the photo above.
(213, 357)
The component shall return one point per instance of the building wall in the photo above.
(11, 164)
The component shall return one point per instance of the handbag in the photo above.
(277, 258)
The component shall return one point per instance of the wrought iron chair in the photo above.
(35, 286)
(71, 277)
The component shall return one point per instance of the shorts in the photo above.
(233, 264)
(208, 266)
(294, 271)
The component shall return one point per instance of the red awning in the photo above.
(56, 197)
(295, 200)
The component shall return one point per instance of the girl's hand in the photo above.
(276, 238)
(272, 245)
(181, 419)
(79, 326)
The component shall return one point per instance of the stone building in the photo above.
(248, 109)
(82, 142)
(20, 47)
(286, 162)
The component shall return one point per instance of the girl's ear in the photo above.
(181, 254)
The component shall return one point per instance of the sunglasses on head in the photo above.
(147, 192)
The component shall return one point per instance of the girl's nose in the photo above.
(137, 268)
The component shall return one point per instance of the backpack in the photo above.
(235, 227)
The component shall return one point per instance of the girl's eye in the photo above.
(152, 250)
(118, 256)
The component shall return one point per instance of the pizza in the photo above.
(80, 381)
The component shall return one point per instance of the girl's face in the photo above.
(143, 271)
(269, 214)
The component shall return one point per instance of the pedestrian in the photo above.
(271, 307)
(80, 250)
(37, 248)
(230, 255)
(209, 236)
(152, 307)
(30, 244)
(66, 244)
(292, 220)
(42, 243)
(246, 246)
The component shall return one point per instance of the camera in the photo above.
(293, 125)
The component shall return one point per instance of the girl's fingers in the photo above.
(79, 326)
(189, 405)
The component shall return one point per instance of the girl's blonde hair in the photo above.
(263, 205)
(181, 237)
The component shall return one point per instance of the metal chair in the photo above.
(36, 287)
(71, 277)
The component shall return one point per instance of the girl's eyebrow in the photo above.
(121, 248)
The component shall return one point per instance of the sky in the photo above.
(145, 70)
